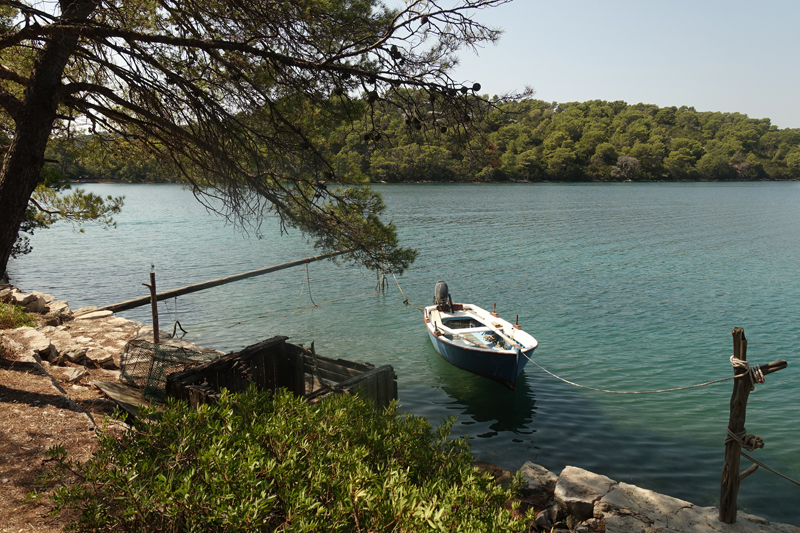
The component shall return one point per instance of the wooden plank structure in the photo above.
(130, 399)
(731, 477)
(273, 364)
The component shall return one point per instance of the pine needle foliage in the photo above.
(261, 462)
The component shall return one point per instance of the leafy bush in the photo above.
(12, 316)
(258, 462)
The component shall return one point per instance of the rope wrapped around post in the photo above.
(746, 440)
(738, 437)
(753, 371)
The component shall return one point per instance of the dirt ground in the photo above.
(36, 416)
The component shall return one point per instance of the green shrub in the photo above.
(12, 316)
(257, 462)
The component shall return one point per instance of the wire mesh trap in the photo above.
(146, 365)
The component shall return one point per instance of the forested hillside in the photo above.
(533, 140)
(590, 141)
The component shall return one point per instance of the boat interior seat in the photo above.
(469, 330)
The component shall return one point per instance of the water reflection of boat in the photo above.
(476, 340)
(491, 407)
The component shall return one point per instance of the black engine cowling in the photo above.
(441, 293)
(441, 296)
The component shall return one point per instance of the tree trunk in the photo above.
(25, 156)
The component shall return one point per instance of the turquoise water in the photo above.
(626, 287)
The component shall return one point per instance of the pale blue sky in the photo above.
(715, 55)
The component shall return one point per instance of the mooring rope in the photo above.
(176, 323)
(300, 295)
(405, 298)
(765, 467)
(751, 443)
(308, 277)
(746, 440)
(749, 374)
(754, 371)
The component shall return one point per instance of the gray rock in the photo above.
(46, 297)
(578, 489)
(555, 513)
(74, 352)
(29, 356)
(36, 341)
(94, 315)
(58, 335)
(593, 524)
(84, 310)
(5, 294)
(628, 509)
(53, 355)
(571, 522)
(538, 481)
(34, 302)
(630, 524)
(543, 521)
(20, 298)
(75, 374)
(100, 358)
(36, 305)
(11, 344)
(640, 501)
(59, 309)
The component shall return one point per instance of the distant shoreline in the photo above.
(428, 182)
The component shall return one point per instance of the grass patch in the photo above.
(12, 316)
(261, 462)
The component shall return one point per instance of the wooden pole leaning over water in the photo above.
(138, 302)
(731, 477)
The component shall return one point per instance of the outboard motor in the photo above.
(441, 297)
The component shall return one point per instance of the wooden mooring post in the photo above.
(731, 477)
(153, 304)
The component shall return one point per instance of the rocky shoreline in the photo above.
(88, 337)
(584, 502)
(74, 348)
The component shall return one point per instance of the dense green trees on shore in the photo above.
(533, 140)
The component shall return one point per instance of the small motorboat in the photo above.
(477, 340)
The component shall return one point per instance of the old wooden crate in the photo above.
(275, 363)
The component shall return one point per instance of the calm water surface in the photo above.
(627, 287)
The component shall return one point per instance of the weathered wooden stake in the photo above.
(730, 467)
(153, 305)
(731, 477)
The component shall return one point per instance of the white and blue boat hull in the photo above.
(481, 343)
